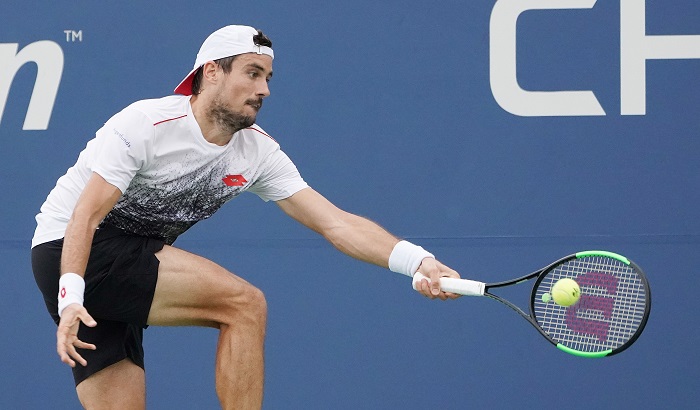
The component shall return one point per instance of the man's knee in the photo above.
(257, 304)
(249, 308)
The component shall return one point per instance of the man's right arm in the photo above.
(96, 200)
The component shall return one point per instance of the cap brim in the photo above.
(185, 86)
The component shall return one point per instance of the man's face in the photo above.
(239, 94)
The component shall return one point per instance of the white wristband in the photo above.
(71, 288)
(407, 257)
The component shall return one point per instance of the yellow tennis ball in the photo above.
(566, 292)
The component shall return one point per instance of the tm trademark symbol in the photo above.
(73, 36)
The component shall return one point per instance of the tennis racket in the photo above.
(608, 317)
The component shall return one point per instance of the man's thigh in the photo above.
(120, 276)
(119, 386)
(192, 290)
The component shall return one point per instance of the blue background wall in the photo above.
(386, 108)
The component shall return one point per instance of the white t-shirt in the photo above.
(169, 175)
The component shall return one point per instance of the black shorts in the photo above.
(120, 281)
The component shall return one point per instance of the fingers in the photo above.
(85, 317)
(69, 355)
(430, 270)
(433, 270)
(66, 349)
(67, 335)
(62, 349)
(434, 283)
(425, 288)
(82, 345)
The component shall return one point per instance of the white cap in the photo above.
(224, 42)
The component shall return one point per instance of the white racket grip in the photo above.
(464, 287)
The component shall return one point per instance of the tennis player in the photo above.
(102, 252)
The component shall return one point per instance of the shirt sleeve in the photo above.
(123, 147)
(279, 180)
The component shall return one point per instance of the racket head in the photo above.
(611, 312)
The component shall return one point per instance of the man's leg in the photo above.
(119, 386)
(192, 290)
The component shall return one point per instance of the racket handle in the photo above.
(464, 287)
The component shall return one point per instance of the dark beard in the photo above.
(227, 120)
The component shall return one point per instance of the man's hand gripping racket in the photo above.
(433, 268)
(606, 312)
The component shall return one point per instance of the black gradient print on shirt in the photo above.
(167, 209)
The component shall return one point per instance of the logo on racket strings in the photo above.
(584, 316)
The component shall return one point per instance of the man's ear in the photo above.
(210, 72)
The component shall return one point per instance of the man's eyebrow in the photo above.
(258, 67)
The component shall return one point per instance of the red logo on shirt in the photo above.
(234, 180)
(63, 293)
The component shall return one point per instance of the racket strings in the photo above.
(609, 312)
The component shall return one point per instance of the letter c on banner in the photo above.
(503, 69)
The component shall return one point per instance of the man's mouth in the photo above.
(255, 104)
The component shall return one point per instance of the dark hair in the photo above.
(259, 39)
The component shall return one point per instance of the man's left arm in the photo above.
(365, 240)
